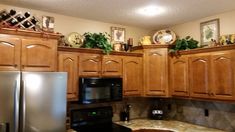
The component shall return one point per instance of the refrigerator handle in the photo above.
(16, 104)
(4, 127)
(24, 106)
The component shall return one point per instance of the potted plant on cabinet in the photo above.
(184, 44)
(97, 40)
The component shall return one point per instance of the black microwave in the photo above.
(99, 90)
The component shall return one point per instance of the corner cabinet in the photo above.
(132, 76)
(68, 62)
(155, 69)
(27, 51)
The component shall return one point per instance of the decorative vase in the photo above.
(146, 40)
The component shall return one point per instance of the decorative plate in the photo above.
(164, 37)
(75, 39)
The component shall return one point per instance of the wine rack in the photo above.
(14, 19)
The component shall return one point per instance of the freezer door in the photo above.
(9, 101)
(44, 101)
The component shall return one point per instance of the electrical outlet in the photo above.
(206, 112)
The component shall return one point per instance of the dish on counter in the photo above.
(164, 37)
(75, 39)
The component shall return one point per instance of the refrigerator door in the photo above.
(44, 101)
(9, 101)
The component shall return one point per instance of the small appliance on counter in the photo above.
(157, 112)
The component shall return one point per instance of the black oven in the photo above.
(98, 90)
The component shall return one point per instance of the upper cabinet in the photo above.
(90, 64)
(179, 82)
(38, 54)
(27, 51)
(132, 76)
(10, 53)
(155, 62)
(100, 65)
(68, 62)
(199, 67)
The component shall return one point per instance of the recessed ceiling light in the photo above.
(150, 11)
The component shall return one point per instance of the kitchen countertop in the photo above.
(176, 126)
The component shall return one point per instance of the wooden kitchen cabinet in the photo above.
(199, 68)
(100, 65)
(90, 64)
(222, 75)
(111, 65)
(10, 54)
(132, 76)
(179, 82)
(39, 54)
(212, 75)
(155, 69)
(68, 62)
(27, 50)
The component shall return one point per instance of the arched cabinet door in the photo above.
(199, 77)
(68, 62)
(179, 76)
(111, 65)
(39, 54)
(156, 73)
(90, 64)
(222, 73)
(132, 76)
(9, 54)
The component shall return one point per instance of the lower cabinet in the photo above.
(69, 63)
(132, 76)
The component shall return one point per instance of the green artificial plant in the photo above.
(184, 44)
(97, 40)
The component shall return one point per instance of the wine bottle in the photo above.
(5, 16)
(27, 24)
(12, 22)
(34, 20)
(20, 18)
(27, 14)
(12, 12)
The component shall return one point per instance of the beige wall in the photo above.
(67, 24)
(192, 28)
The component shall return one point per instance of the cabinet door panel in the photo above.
(199, 76)
(39, 54)
(132, 76)
(223, 76)
(10, 54)
(156, 73)
(111, 66)
(179, 76)
(90, 65)
(69, 63)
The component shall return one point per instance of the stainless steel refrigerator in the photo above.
(33, 101)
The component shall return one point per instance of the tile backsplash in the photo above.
(220, 115)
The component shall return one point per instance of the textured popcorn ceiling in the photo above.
(124, 11)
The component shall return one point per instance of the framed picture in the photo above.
(48, 24)
(118, 34)
(209, 30)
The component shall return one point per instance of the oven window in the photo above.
(96, 93)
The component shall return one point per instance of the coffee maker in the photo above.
(157, 112)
